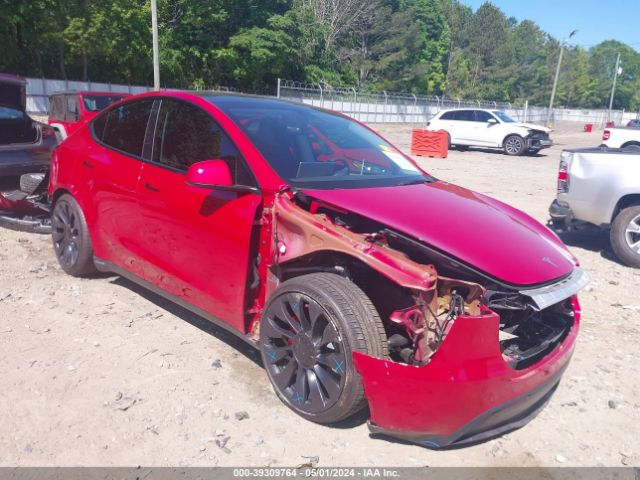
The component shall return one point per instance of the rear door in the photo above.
(485, 133)
(196, 241)
(108, 174)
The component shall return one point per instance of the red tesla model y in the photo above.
(361, 278)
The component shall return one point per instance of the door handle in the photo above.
(151, 187)
(87, 164)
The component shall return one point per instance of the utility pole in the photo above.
(555, 80)
(156, 54)
(616, 72)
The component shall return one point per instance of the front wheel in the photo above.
(514, 145)
(625, 236)
(310, 328)
(70, 235)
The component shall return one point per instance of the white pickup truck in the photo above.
(601, 187)
(622, 137)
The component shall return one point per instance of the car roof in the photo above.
(471, 108)
(220, 98)
(6, 78)
(86, 92)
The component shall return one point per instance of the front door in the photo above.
(197, 241)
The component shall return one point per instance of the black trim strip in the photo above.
(105, 266)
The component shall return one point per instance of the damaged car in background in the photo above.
(25, 154)
(360, 278)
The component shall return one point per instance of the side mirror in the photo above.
(209, 174)
(492, 121)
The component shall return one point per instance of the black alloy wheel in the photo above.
(70, 236)
(309, 329)
(304, 352)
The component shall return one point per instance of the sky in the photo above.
(595, 20)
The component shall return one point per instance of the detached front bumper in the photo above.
(467, 393)
(539, 143)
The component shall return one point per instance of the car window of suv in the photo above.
(186, 134)
(448, 116)
(465, 115)
(55, 107)
(124, 127)
(482, 116)
(72, 108)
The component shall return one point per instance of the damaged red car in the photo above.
(362, 279)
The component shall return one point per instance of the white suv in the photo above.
(490, 128)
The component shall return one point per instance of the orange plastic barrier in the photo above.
(427, 143)
(588, 127)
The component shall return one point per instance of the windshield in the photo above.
(503, 116)
(95, 103)
(319, 150)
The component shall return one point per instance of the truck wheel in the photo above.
(625, 236)
(70, 235)
(514, 145)
(310, 328)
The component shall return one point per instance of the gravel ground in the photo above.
(101, 372)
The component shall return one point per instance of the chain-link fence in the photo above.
(366, 106)
(388, 107)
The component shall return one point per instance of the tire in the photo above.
(310, 328)
(70, 236)
(514, 145)
(29, 182)
(631, 147)
(625, 236)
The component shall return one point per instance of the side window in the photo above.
(482, 116)
(448, 116)
(465, 115)
(186, 134)
(53, 110)
(124, 127)
(72, 108)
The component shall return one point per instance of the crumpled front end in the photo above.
(473, 387)
(469, 355)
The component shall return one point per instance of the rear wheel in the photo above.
(70, 235)
(514, 145)
(310, 328)
(625, 236)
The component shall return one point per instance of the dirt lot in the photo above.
(100, 372)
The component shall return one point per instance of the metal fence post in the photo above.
(278, 89)
(384, 109)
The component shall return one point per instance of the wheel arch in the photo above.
(624, 202)
(510, 134)
(385, 294)
(631, 143)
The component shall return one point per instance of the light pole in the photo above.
(555, 80)
(156, 55)
(616, 72)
